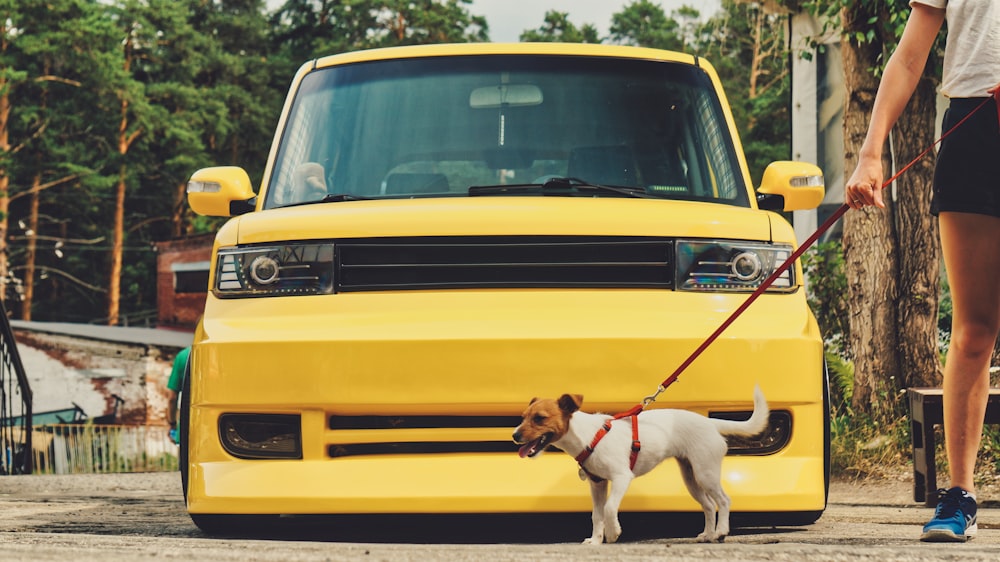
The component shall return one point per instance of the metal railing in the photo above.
(96, 448)
(15, 405)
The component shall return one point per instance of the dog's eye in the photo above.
(539, 419)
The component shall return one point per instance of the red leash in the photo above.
(784, 266)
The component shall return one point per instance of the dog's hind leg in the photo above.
(705, 499)
(599, 498)
(721, 501)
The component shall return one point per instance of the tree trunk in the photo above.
(4, 179)
(891, 257)
(29, 258)
(125, 140)
(117, 247)
(28, 296)
(177, 223)
(918, 244)
(870, 256)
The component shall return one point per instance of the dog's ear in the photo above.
(570, 403)
(533, 400)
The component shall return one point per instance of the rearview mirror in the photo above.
(505, 95)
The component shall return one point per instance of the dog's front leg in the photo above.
(613, 527)
(598, 497)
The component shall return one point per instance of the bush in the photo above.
(826, 292)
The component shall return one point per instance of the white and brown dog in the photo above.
(606, 447)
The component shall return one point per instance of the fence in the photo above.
(89, 448)
(15, 405)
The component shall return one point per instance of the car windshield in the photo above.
(436, 127)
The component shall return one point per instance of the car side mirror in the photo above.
(222, 191)
(791, 186)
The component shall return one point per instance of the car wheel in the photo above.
(183, 427)
(810, 517)
(799, 518)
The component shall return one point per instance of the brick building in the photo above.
(182, 280)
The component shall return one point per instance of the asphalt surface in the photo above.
(130, 517)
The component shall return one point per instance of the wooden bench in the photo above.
(926, 410)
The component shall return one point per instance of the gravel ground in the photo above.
(129, 517)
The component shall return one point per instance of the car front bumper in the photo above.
(487, 353)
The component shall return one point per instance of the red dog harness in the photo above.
(589, 449)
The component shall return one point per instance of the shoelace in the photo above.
(947, 505)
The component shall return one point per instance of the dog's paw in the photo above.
(612, 535)
(711, 537)
(592, 540)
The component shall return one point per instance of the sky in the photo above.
(509, 18)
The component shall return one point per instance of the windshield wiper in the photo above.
(331, 198)
(557, 186)
(338, 197)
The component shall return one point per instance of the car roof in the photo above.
(466, 49)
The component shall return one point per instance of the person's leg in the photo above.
(971, 245)
(971, 248)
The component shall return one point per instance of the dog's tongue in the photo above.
(526, 449)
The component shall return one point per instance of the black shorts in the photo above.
(967, 174)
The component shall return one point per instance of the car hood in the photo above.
(501, 216)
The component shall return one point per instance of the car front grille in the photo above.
(774, 438)
(378, 425)
(503, 262)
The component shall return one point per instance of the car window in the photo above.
(435, 127)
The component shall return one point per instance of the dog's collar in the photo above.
(605, 428)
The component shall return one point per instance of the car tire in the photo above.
(800, 518)
(183, 427)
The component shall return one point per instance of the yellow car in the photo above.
(444, 232)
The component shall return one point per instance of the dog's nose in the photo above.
(516, 437)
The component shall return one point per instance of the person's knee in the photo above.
(974, 339)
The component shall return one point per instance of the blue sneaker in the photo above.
(954, 519)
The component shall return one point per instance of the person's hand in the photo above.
(175, 436)
(865, 185)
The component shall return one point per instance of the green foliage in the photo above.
(645, 24)
(945, 311)
(192, 83)
(862, 448)
(886, 20)
(305, 29)
(841, 372)
(558, 28)
(988, 459)
(826, 290)
(882, 23)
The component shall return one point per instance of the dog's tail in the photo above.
(751, 427)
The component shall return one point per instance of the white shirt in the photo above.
(972, 50)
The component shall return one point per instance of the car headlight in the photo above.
(724, 265)
(280, 270)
